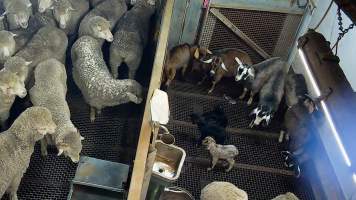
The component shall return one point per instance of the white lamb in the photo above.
(50, 91)
(222, 191)
(224, 152)
(17, 145)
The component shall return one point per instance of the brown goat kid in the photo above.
(224, 64)
(179, 58)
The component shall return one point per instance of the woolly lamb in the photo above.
(7, 45)
(48, 42)
(50, 91)
(17, 145)
(36, 22)
(99, 22)
(222, 191)
(13, 76)
(69, 13)
(217, 152)
(131, 35)
(286, 196)
(93, 78)
(43, 5)
(17, 13)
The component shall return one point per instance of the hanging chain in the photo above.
(341, 28)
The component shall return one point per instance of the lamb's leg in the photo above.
(231, 162)
(92, 114)
(215, 160)
(115, 62)
(242, 96)
(14, 187)
(133, 65)
(134, 98)
(44, 152)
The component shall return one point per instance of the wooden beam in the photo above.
(239, 33)
(146, 129)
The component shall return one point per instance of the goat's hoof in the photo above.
(209, 169)
(210, 91)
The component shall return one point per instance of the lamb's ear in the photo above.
(196, 53)
(28, 63)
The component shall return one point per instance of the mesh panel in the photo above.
(264, 28)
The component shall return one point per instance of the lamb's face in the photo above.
(101, 29)
(11, 84)
(43, 5)
(62, 14)
(20, 13)
(71, 146)
(7, 45)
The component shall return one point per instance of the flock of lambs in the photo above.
(34, 38)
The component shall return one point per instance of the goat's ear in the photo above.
(3, 14)
(60, 151)
(209, 52)
(196, 53)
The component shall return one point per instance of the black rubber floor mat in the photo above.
(259, 185)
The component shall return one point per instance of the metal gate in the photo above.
(259, 31)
